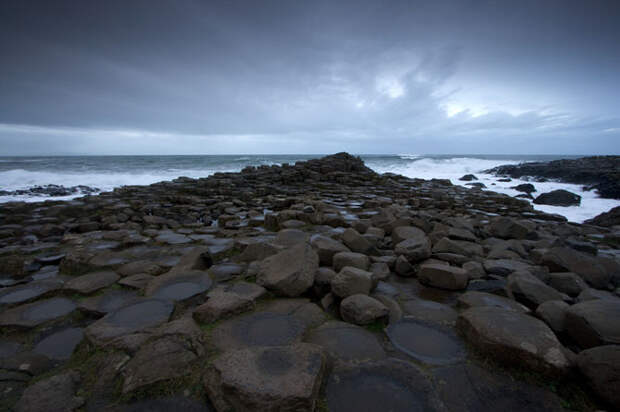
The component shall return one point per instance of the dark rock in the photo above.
(357, 260)
(468, 178)
(474, 299)
(350, 281)
(285, 378)
(606, 219)
(326, 248)
(529, 290)
(525, 188)
(558, 197)
(425, 342)
(387, 385)
(56, 393)
(601, 367)
(60, 345)
(514, 338)
(553, 312)
(290, 272)
(443, 276)
(92, 282)
(362, 309)
(346, 342)
(594, 322)
(600, 172)
(37, 313)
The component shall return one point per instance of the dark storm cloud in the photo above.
(365, 76)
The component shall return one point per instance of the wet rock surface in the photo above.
(315, 286)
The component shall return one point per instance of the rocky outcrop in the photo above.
(598, 172)
(247, 283)
(558, 197)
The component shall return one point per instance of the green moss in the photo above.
(375, 327)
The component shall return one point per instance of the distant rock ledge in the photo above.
(596, 172)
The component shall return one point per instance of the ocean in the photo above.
(108, 172)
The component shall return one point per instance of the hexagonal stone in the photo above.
(36, 313)
(426, 342)
(326, 248)
(350, 281)
(23, 293)
(91, 282)
(158, 360)
(283, 378)
(469, 388)
(443, 276)
(140, 315)
(386, 385)
(60, 345)
(179, 286)
(594, 322)
(290, 272)
(362, 309)
(601, 367)
(56, 393)
(107, 302)
(172, 238)
(138, 281)
(227, 301)
(282, 323)
(514, 338)
(347, 342)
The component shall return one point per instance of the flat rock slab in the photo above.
(469, 388)
(283, 378)
(514, 338)
(159, 360)
(282, 323)
(107, 302)
(24, 293)
(36, 313)
(56, 393)
(347, 342)
(60, 345)
(474, 299)
(135, 317)
(387, 385)
(179, 286)
(429, 311)
(92, 282)
(425, 342)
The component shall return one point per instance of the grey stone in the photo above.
(290, 272)
(350, 281)
(594, 322)
(346, 342)
(362, 309)
(358, 260)
(443, 276)
(56, 393)
(92, 282)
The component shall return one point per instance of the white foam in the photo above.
(454, 168)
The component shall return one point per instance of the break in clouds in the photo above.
(188, 77)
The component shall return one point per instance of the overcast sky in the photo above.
(212, 77)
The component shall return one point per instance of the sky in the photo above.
(227, 77)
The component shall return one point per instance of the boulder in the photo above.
(468, 178)
(290, 272)
(558, 197)
(606, 219)
(459, 247)
(443, 276)
(356, 242)
(350, 281)
(326, 248)
(401, 233)
(601, 368)
(525, 188)
(508, 228)
(358, 260)
(594, 322)
(474, 299)
(415, 249)
(362, 309)
(567, 282)
(553, 312)
(562, 259)
(529, 290)
(402, 267)
(514, 338)
(280, 378)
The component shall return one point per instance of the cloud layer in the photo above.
(146, 77)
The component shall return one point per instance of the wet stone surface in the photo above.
(23, 293)
(388, 385)
(179, 286)
(425, 342)
(60, 345)
(36, 313)
(347, 342)
(132, 318)
(108, 301)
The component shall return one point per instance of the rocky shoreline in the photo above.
(600, 173)
(316, 286)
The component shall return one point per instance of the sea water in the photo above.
(109, 172)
